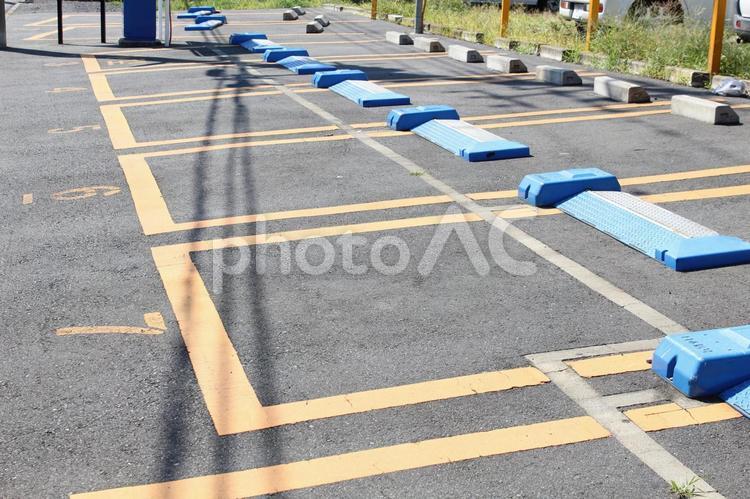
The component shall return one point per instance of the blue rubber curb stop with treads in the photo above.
(240, 38)
(368, 94)
(305, 65)
(204, 26)
(275, 55)
(469, 142)
(593, 196)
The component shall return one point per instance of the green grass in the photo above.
(685, 490)
(657, 43)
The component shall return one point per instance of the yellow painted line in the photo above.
(67, 331)
(42, 36)
(176, 66)
(47, 21)
(230, 399)
(669, 197)
(694, 174)
(662, 417)
(241, 145)
(219, 372)
(392, 133)
(27, 199)
(386, 83)
(149, 204)
(698, 194)
(90, 63)
(404, 223)
(154, 321)
(399, 396)
(201, 65)
(156, 219)
(166, 66)
(98, 80)
(612, 364)
(367, 463)
(115, 119)
(119, 130)
(575, 119)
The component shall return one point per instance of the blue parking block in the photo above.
(240, 38)
(411, 117)
(260, 45)
(192, 15)
(548, 189)
(593, 196)
(368, 94)
(211, 17)
(326, 79)
(204, 26)
(199, 8)
(705, 363)
(282, 53)
(305, 65)
(470, 142)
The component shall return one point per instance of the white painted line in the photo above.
(648, 396)
(633, 438)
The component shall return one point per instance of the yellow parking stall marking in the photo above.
(156, 219)
(664, 416)
(612, 364)
(167, 66)
(42, 36)
(403, 395)
(153, 320)
(694, 174)
(392, 133)
(231, 401)
(387, 83)
(375, 134)
(90, 63)
(118, 128)
(227, 391)
(27, 198)
(367, 463)
(177, 252)
(698, 194)
(122, 137)
(47, 21)
(100, 86)
(588, 117)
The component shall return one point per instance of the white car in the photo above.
(742, 20)
(578, 10)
